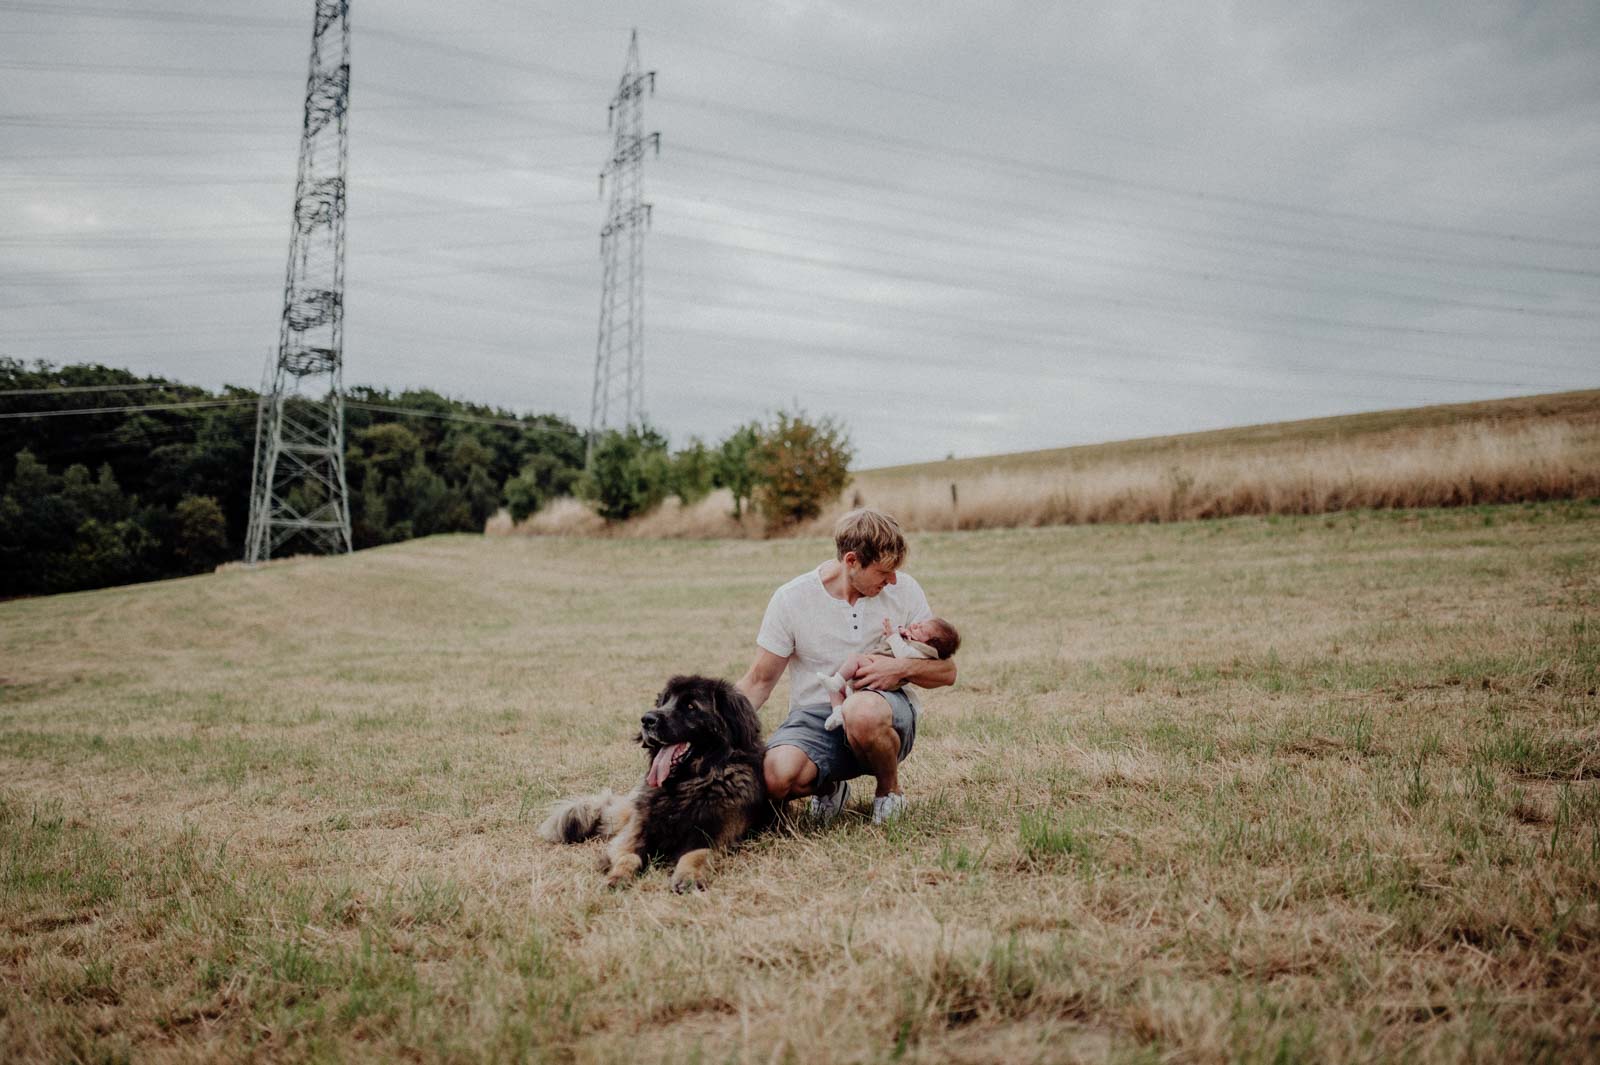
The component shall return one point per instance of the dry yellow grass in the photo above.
(1544, 447)
(1444, 466)
(1263, 789)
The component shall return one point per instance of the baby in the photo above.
(933, 638)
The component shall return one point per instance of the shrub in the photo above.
(628, 473)
(544, 477)
(734, 468)
(692, 470)
(801, 467)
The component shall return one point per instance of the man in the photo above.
(812, 624)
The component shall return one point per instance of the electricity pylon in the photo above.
(298, 490)
(618, 399)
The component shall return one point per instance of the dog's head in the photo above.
(696, 714)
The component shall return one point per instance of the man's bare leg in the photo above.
(788, 773)
(869, 729)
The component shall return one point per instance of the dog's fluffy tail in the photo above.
(576, 820)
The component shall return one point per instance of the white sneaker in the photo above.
(824, 808)
(888, 807)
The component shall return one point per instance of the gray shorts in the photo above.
(829, 750)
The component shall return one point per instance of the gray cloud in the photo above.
(960, 229)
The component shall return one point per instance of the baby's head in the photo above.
(937, 633)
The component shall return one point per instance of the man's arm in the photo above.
(762, 676)
(886, 673)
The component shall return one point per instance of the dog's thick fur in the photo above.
(709, 798)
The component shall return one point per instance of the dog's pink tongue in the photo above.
(661, 764)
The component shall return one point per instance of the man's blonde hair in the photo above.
(872, 535)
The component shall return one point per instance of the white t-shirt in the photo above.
(817, 632)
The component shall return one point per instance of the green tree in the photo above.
(380, 460)
(801, 467)
(426, 500)
(627, 474)
(407, 473)
(692, 472)
(734, 465)
(101, 553)
(99, 498)
(544, 477)
(390, 449)
(33, 521)
(467, 466)
(202, 531)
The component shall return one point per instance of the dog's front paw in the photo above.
(690, 872)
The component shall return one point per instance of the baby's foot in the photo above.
(832, 681)
(835, 719)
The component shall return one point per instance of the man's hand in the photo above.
(884, 674)
(880, 673)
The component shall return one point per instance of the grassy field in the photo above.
(1301, 789)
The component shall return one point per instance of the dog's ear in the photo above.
(708, 717)
(744, 727)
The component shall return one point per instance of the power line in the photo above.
(131, 408)
(1274, 280)
(1078, 373)
(145, 15)
(1315, 241)
(982, 161)
(136, 70)
(995, 161)
(986, 203)
(86, 388)
(882, 187)
(505, 423)
(128, 409)
(131, 235)
(1053, 297)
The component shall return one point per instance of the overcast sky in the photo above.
(958, 228)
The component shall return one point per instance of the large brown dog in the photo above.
(702, 789)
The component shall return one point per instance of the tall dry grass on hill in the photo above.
(1519, 458)
(1426, 468)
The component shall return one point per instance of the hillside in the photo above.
(1580, 409)
(1501, 451)
(1259, 789)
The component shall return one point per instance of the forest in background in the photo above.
(156, 481)
(109, 478)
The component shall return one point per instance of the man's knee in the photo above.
(787, 772)
(867, 717)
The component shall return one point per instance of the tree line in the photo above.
(150, 478)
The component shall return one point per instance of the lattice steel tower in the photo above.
(618, 399)
(298, 490)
